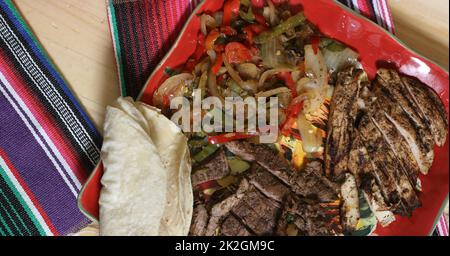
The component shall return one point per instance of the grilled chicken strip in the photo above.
(420, 102)
(350, 207)
(434, 114)
(398, 140)
(387, 170)
(402, 112)
(307, 183)
(343, 112)
(376, 202)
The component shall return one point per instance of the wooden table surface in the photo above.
(76, 35)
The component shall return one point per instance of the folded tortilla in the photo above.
(146, 183)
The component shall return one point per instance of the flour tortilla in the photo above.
(146, 185)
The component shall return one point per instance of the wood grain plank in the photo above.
(76, 36)
(424, 26)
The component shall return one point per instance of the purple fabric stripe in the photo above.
(60, 165)
(34, 166)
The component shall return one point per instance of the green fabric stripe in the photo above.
(11, 219)
(6, 226)
(1, 232)
(115, 34)
(22, 202)
(15, 212)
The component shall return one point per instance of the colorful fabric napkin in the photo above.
(144, 30)
(48, 145)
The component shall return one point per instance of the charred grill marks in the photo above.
(392, 142)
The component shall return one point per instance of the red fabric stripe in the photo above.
(129, 70)
(147, 25)
(444, 227)
(156, 28)
(28, 192)
(386, 16)
(132, 43)
(142, 58)
(164, 22)
(47, 122)
(365, 9)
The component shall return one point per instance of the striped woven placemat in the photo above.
(48, 145)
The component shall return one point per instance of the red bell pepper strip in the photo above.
(258, 3)
(260, 19)
(211, 39)
(277, 2)
(219, 48)
(200, 50)
(229, 31)
(291, 117)
(227, 137)
(287, 78)
(258, 28)
(248, 35)
(237, 53)
(207, 185)
(230, 9)
(166, 101)
(254, 50)
(190, 65)
(217, 64)
(315, 41)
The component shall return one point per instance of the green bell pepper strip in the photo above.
(287, 25)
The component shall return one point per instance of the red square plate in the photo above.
(374, 45)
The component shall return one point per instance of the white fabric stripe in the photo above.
(356, 6)
(386, 15)
(36, 137)
(439, 229)
(53, 97)
(443, 224)
(377, 11)
(40, 130)
(26, 198)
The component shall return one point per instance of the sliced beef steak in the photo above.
(268, 184)
(214, 169)
(233, 227)
(312, 184)
(308, 183)
(199, 220)
(220, 210)
(257, 212)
